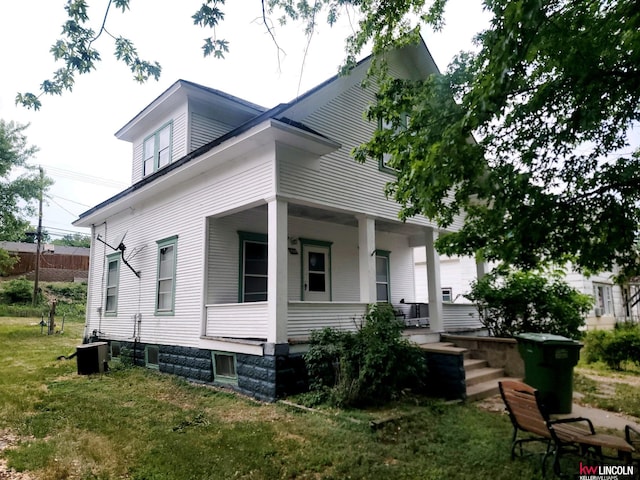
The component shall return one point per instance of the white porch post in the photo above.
(277, 271)
(433, 282)
(367, 245)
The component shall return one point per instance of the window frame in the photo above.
(170, 241)
(156, 148)
(607, 307)
(386, 254)
(153, 366)
(220, 378)
(113, 257)
(250, 237)
(450, 294)
(386, 125)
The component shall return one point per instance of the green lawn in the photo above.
(137, 424)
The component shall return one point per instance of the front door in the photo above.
(316, 267)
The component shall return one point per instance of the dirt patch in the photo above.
(633, 380)
(8, 440)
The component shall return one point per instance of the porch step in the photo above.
(474, 364)
(483, 390)
(483, 374)
(443, 347)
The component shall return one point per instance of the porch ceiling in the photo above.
(349, 219)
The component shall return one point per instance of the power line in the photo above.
(83, 177)
(72, 201)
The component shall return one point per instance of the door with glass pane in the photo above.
(316, 276)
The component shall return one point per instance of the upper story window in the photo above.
(383, 124)
(157, 150)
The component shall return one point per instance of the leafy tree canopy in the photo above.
(528, 137)
(74, 240)
(20, 183)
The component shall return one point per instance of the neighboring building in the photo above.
(57, 263)
(248, 228)
(612, 302)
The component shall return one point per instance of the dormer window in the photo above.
(157, 150)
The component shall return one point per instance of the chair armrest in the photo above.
(574, 420)
(632, 435)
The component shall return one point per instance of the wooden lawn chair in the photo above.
(569, 435)
(632, 436)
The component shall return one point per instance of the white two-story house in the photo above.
(246, 228)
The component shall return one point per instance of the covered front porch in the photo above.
(274, 272)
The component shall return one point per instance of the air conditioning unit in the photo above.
(92, 357)
(598, 312)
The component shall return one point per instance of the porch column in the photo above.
(277, 272)
(433, 282)
(367, 258)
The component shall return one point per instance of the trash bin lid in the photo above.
(546, 339)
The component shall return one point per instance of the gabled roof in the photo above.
(419, 54)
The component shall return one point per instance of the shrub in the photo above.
(514, 302)
(19, 291)
(613, 347)
(368, 367)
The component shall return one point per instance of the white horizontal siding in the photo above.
(304, 317)
(181, 211)
(341, 119)
(457, 316)
(205, 130)
(237, 320)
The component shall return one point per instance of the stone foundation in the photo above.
(267, 377)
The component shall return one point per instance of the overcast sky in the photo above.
(75, 132)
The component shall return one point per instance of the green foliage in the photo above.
(20, 184)
(517, 302)
(371, 366)
(615, 347)
(74, 240)
(551, 92)
(6, 261)
(19, 291)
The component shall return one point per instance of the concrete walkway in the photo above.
(601, 418)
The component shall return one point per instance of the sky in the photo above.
(75, 131)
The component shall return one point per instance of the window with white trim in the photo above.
(113, 278)
(383, 290)
(603, 296)
(166, 281)
(157, 150)
(447, 294)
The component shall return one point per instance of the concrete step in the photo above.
(486, 389)
(441, 347)
(474, 364)
(483, 374)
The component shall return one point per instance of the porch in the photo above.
(275, 272)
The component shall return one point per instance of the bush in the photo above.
(614, 347)
(18, 291)
(515, 302)
(368, 367)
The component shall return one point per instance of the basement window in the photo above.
(224, 367)
(115, 350)
(152, 356)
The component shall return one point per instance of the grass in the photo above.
(137, 424)
(615, 391)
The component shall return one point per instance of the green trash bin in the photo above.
(548, 367)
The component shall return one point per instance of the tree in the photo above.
(550, 97)
(527, 138)
(74, 240)
(20, 183)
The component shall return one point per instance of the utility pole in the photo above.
(38, 239)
